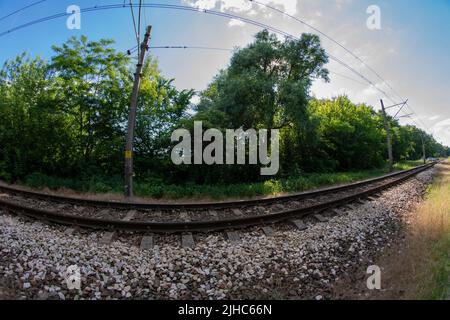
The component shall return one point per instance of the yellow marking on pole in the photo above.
(128, 154)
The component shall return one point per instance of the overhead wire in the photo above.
(139, 19)
(386, 83)
(225, 15)
(192, 9)
(21, 9)
(134, 25)
(347, 77)
(324, 35)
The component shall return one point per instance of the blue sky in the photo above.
(411, 51)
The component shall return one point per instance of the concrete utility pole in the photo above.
(389, 138)
(132, 116)
(423, 149)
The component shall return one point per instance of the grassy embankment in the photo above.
(158, 190)
(419, 266)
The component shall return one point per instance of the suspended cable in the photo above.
(341, 46)
(139, 21)
(191, 47)
(134, 25)
(324, 35)
(206, 11)
(347, 77)
(132, 50)
(22, 9)
(187, 8)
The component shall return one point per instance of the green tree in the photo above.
(161, 109)
(93, 83)
(32, 134)
(349, 133)
(267, 86)
(267, 83)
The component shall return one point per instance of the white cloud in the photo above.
(236, 23)
(442, 130)
(392, 51)
(442, 125)
(289, 6)
(202, 4)
(235, 5)
(387, 52)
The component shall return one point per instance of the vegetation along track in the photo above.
(191, 217)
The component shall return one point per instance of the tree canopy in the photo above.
(66, 117)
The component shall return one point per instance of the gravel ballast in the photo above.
(34, 257)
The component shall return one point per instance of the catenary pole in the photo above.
(132, 115)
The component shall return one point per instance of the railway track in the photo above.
(192, 217)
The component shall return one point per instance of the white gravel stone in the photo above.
(290, 263)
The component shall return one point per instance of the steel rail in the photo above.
(199, 205)
(199, 226)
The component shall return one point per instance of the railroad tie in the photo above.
(102, 214)
(372, 198)
(61, 207)
(278, 208)
(184, 215)
(107, 238)
(268, 231)
(361, 201)
(351, 206)
(130, 215)
(237, 212)
(187, 241)
(337, 211)
(147, 242)
(321, 218)
(299, 224)
(214, 215)
(261, 210)
(158, 214)
(234, 237)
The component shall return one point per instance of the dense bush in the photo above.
(63, 121)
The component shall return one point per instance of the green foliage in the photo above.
(348, 133)
(266, 84)
(63, 122)
(93, 84)
(67, 118)
(157, 188)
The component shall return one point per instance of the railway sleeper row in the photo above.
(320, 212)
(234, 236)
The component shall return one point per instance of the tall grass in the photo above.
(156, 189)
(419, 266)
(430, 240)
